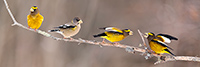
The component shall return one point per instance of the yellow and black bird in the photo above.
(158, 42)
(114, 34)
(34, 19)
(69, 29)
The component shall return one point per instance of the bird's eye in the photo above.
(77, 19)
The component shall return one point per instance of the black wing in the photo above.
(169, 52)
(115, 32)
(99, 35)
(168, 36)
(65, 26)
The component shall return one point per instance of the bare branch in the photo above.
(7, 7)
(130, 49)
(141, 35)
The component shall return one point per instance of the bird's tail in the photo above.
(169, 52)
(103, 28)
(99, 35)
(53, 30)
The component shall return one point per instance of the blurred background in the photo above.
(23, 48)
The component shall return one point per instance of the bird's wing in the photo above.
(115, 32)
(112, 29)
(166, 38)
(66, 26)
(161, 43)
(169, 52)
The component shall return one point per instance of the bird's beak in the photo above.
(32, 10)
(146, 35)
(131, 33)
(80, 21)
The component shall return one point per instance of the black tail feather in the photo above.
(169, 52)
(103, 28)
(102, 34)
(96, 36)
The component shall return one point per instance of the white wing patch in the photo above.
(163, 43)
(64, 26)
(166, 40)
(110, 29)
(67, 25)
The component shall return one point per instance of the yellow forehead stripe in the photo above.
(150, 34)
(127, 30)
(34, 7)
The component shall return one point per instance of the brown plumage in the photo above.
(69, 29)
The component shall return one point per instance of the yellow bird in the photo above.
(34, 19)
(114, 34)
(69, 29)
(158, 42)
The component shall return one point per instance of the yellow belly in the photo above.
(157, 48)
(113, 37)
(34, 22)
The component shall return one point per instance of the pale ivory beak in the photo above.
(131, 33)
(32, 10)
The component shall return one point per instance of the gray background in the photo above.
(23, 48)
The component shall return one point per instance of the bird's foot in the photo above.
(68, 38)
(103, 41)
(35, 29)
(116, 43)
(71, 38)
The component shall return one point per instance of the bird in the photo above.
(114, 34)
(69, 29)
(158, 42)
(34, 19)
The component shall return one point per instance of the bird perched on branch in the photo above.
(114, 34)
(158, 42)
(69, 29)
(34, 19)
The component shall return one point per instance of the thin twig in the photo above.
(136, 49)
(142, 37)
(7, 7)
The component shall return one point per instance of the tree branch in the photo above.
(130, 49)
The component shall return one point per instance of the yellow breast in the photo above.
(35, 22)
